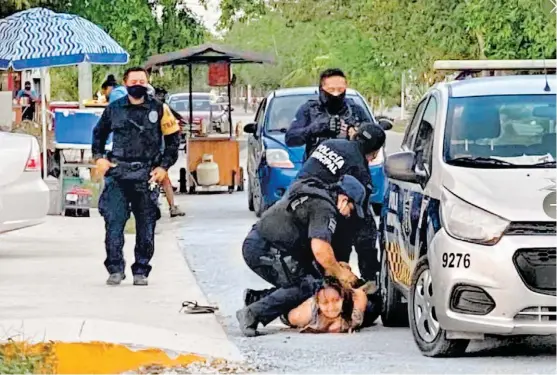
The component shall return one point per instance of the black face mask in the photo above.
(137, 91)
(27, 88)
(333, 103)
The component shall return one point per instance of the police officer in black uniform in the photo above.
(290, 247)
(335, 158)
(133, 170)
(331, 116)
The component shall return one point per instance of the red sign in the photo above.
(218, 74)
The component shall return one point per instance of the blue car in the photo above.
(272, 165)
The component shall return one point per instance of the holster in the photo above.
(287, 268)
(130, 171)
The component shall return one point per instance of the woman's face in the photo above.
(330, 302)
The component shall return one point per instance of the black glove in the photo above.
(320, 127)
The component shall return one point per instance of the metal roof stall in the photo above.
(222, 149)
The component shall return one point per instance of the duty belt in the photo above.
(133, 165)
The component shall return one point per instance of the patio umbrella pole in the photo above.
(43, 117)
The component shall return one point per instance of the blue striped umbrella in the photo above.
(40, 38)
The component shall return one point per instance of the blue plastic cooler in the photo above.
(74, 127)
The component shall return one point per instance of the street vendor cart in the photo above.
(212, 162)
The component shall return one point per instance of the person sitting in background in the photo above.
(159, 94)
(112, 90)
(31, 98)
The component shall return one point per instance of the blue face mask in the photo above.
(137, 91)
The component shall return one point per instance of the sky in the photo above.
(210, 16)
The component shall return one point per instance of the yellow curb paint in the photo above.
(96, 357)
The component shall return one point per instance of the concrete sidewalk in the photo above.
(52, 287)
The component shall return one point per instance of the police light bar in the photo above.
(479, 65)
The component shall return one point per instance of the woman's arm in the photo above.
(301, 315)
(360, 304)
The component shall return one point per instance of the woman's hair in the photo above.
(109, 82)
(345, 294)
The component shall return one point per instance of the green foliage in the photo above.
(376, 42)
(15, 359)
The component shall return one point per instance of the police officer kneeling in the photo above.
(330, 161)
(132, 172)
(290, 247)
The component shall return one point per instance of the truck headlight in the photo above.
(278, 158)
(469, 223)
(379, 159)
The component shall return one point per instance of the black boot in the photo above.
(247, 322)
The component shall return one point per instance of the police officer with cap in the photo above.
(335, 158)
(332, 115)
(133, 170)
(290, 247)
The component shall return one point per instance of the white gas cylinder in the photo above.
(207, 171)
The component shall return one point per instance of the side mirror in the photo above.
(231, 109)
(386, 123)
(250, 128)
(400, 166)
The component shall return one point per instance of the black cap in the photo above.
(371, 136)
(354, 190)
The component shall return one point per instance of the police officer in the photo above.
(290, 247)
(133, 170)
(331, 116)
(335, 158)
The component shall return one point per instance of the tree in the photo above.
(376, 42)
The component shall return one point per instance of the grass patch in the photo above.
(22, 358)
(130, 225)
(399, 126)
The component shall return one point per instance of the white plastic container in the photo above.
(207, 171)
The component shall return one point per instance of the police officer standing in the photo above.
(335, 158)
(133, 170)
(331, 116)
(290, 247)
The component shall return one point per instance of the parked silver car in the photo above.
(24, 196)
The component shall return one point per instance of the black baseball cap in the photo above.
(354, 190)
(371, 136)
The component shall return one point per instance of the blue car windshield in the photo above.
(507, 130)
(282, 110)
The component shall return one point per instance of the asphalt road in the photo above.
(211, 239)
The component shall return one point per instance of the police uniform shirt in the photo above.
(291, 225)
(314, 112)
(334, 158)
(128, 119)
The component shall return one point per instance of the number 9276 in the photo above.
(455, 260)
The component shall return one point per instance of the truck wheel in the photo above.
(394, 312)
(428, 334)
